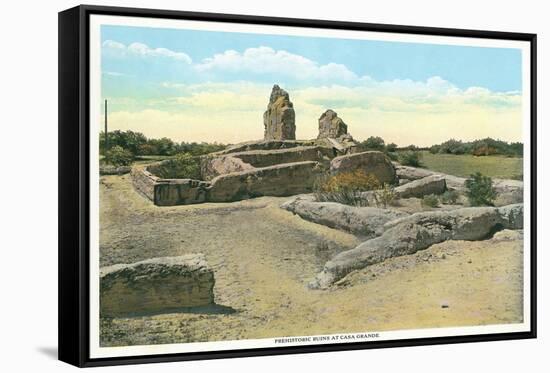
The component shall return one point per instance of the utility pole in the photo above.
(106, 133)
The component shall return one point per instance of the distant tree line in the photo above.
(481, 147)
(487, 146)
(378, 143)
(138, 144)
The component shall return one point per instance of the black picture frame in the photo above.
(74, 191)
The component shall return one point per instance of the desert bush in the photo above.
(410, 158)
(181, 166)
(484, 150)
(434, 149)
(386, 196)
(480, 190)
(392, 156)
(374, 143)
(516, 148)
(346, 188)
(186, 166)
(391, 147)
(430, 200)
(195, 148)
(146, 149)
(453, 146)
(449, 197)
(118, 156)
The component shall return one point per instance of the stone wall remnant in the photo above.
(331, 126)
(156, 285)
(279, 117)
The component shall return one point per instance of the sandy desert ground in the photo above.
(264, 257)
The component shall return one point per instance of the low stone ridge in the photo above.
(265, 158)
(508, 191)
(331, 126)
(419, 231)
(468, 223)
(344, 144)
(168, 192)
(144, 181)
(224, 164)
(411, 173)
(433, 184)
(372, 162)
(156, 285)
(279, 116)
(366, 222)
(279, 180)
(264, 145)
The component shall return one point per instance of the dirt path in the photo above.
(264, 257)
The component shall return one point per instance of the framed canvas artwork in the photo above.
(233, 186)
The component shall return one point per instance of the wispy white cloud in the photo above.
(113, 73)
(266, 60)
(116, 49)
(433, 95)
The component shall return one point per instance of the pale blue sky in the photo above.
(497, 69)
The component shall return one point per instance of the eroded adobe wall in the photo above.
(171, 192)
(156, 285)
(279, 180)
(144, 182)
(167, 192)
(265, 158)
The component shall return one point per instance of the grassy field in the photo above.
(464, 165)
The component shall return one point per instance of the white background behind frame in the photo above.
(29, 229)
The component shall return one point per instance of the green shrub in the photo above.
(374, 143)
(449, 197)
(434, 149)
(430, 200)
(195, 149)
(186, 166)
(484, 150)
(346, 188)
(386, 196)
(118, 156)
(410, 158)
(480, 190)
(391, 147)
(392, 155)
(453, 146)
